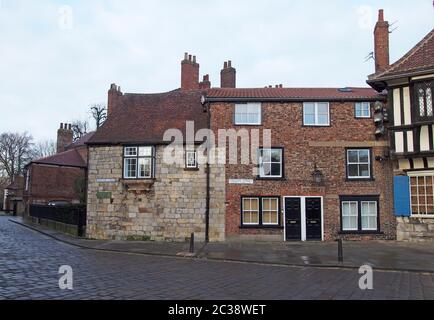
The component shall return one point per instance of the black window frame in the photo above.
(261, 225)
(371, 167)
(137, 157)
(359, 200)
(415, 86)
(282, 167)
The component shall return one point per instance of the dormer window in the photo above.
(424, 93)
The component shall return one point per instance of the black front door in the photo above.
(313, 219)
(293, 219)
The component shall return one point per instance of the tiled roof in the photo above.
(80, 142)
(144, 118)
(292, 94)
(69, 158)
(419, 58)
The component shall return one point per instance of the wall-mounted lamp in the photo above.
(318, 176)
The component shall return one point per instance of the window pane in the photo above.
(323, 108)
(145, 168)
(309, 119)
(274, 204)
(349, 215)
(323, 119)
(254, 204)
(429, 103)
(247, 218)
(276, 155)
(266, 169)
(266, 204)
(266, 155)
(130, 168)
(130, 151)
(309, 108)
(353, 170)
(275, 169)
(191, 159)
(255, 217)
(364, 170)
(246, 204)
(353, 156)
(145, 151)
(364, 156)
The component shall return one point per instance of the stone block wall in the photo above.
(170, 207)
(415, 229)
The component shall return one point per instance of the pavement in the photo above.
(381, 255)
(30, 262)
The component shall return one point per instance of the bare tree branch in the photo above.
(43, 149)
(16, 150)
(79, 129)
(99, 113)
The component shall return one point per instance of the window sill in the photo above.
(359, 179)
(361, 232)
(191, 169)
(271, 179)
(261, 227)
(138, 184)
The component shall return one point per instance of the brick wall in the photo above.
(303, 148)
(48, 183)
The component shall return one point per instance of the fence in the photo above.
(71, 215)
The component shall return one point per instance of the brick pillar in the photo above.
(228, 76)
(64, 136)
(381, 36)
(189, 73)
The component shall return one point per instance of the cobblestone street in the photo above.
(29, 264)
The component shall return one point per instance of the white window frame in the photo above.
(358, 163)
(187, 165)
(370, 215)
(137, 154)
(426, 175)
(364, 106)
(258, 107)
(277, 211)
(351, 215)
(250, 211)
(316, 114)
(261, 163)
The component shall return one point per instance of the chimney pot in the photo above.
(189, 57)
(61, 125)
(229, 64)
(194, 59)
(186, 56)
(225, 65)
(381, 15)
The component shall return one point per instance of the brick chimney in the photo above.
(64, 136)
(205, 84)
(113, 97)
(381, 35)
(228, 76)
(189, 73)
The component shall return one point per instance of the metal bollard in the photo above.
(340, 251)
(192, 243)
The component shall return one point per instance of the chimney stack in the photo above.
(189, 73)
(228, 76)
(206, 83)
(64, 137)
(381, 36)
(113, 97)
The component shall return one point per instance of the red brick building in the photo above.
(60, 178)
(324, 176)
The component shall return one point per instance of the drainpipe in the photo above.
(208, 182)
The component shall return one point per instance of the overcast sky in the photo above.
(57, 57)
